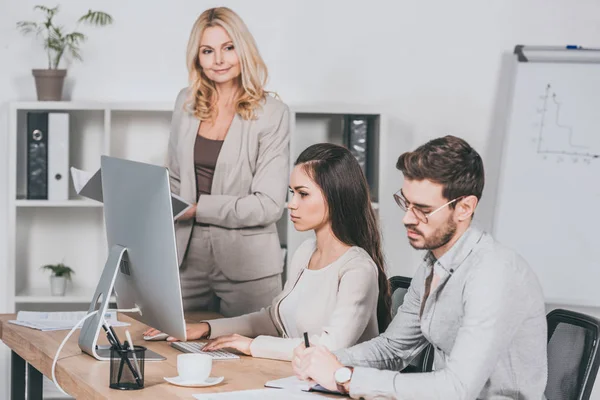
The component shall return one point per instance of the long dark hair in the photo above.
(353, 221)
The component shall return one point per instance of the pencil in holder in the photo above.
(127, 368)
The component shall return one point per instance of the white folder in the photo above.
(58, 156)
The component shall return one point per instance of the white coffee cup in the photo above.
(194, 367)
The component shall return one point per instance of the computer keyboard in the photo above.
(196, 347)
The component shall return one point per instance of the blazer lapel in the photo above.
(230, 151)
(186, 168)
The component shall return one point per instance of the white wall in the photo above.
(434, 66)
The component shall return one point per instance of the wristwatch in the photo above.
(342, 376)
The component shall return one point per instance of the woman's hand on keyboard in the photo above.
(193, 332)
(237, 342)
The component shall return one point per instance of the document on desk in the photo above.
(289, 383)
(294, 384)
(90, 185)
(259, 394)
(59, 321)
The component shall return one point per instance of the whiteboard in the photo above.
(548, 203)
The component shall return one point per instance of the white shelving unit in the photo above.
(72, 231)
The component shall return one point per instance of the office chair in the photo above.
(573, 355)
(424, 361)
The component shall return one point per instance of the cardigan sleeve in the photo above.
(356, 302)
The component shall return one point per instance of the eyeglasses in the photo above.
(418, 213)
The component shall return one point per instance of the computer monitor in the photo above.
(142, 265)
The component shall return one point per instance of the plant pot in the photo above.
(58, 285)
(49, 83)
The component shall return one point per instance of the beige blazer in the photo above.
(248, 190)
(339, 317)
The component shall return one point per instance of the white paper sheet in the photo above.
(290, 383)
(294, 384)
(259, 394)
(87, 184)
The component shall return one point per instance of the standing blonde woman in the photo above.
(228, 155)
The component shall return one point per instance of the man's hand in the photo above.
(316, 363)
(237, 342)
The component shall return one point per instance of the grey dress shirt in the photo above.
(486, 320)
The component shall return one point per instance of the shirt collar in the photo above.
(454, 257)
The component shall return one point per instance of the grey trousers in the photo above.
(204, 287)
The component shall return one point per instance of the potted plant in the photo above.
(57, 42)
(58, 280)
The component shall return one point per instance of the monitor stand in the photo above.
(88, 337)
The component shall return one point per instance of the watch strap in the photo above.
(340, 385)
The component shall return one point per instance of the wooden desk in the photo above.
(84, 377)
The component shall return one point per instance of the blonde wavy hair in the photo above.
(202, 100)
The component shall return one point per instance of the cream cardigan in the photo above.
(340, 314)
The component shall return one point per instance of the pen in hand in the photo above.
(306, 343)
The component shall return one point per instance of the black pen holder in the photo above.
(127, 368)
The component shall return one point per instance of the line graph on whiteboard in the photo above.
(557, 137)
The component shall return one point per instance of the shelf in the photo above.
(334, 108)
(93, 106)
(59, 105)
(42, 295)
(59, 203)
(142, 106)
(167, 106)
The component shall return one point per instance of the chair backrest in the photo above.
(399, 286)
(573, 355)
(424, 361)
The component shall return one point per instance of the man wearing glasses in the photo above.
(477, 302)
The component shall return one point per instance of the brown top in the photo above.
(206, 152)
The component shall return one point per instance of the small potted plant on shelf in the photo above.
(57, 42)
(58, 280)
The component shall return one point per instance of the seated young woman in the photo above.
(337, 290)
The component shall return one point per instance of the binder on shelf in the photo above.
(37, 155)
(356, 138)
(58, 156)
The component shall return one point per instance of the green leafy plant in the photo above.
(56, 40)
(59, 269)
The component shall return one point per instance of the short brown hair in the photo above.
(449, 161)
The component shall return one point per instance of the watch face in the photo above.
(343, 375)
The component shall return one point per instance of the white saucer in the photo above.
(210, 381)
